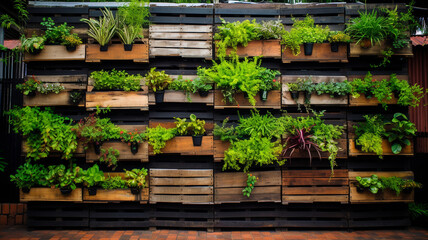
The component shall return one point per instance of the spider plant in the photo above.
(104, 29)
(300, 140)
(128, 34)
(368, 28)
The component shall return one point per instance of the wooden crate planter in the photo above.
(383, 196)
(181, 186)
(342, 154)
(38, 194)
(139, 53)
(386, 147)
(117, 99)
(309, 186)
(321, 53)
(229, 186)
(57, 53)
(188, 41)
(69, 82)
(183, 145)
(219, 148)
(125, 153)
(265, 48)
(323, 99)
(355, 50)
(273, 101)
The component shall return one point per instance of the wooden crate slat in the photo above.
(118, 99)
(180, 97)
(386, 147)
(116, 195)
(201, 199)
(181, 20)
(237, 179)
(188, 190)
(266, 48)
(180, 173)
(217, 20)
(179, 44)
(314, 198)
(338, 173)
(184, 36)
(259, 194)
(321, 53)
(176, 181)
(169, 28)
(315, 181)
(50, 99)
(182, 10)
(315, 190)
(219, 148)
(400, 174)
(139, 53)
(124, 151)
(376, 50)
(273, 101)
(171, 52)
(184, 146)
(51, 194)
(57, 53)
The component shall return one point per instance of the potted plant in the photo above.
(103, 29)
(369, 134)
(373, 184)
(367, 29)
(198, 85)
(33, 45)
(336, 38)
(29, 175)
(75, 97)
(334, 89)
(128, 34)
(133, 138)
(268, 82)
(92, 178)
(294, 89)
(136, 179)
(63, 178)
(158, 136)
(29, 87)
(111, 183)
(400, 132)
(71, 42)
(304, 85)
(158, 81)
(195, 127)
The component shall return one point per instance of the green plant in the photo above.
(30, 85)
(92, 177)
(224, 132)
(62, 177)
(76, 97)
(196, 126)
(364, 86)
(33, 44)
(257, 125)
(332, 88)
(386, 54)
(55, 34)
(369, 134)
(399, 24)
(382, 92)
(71, 40)
(268, 81)
(304, 31)
(400, 132)
(370, 142)
(251, 182)
(132, 136)
(408, 95)
(270, 29)
(114, 80)
(190, 86)
(136, 178)
(338, 37)
(129, 33)
(44, 131)
(417, 210)
(109, 157)
(46, 88)
(135, 13)
(367, 27)
(158, 136)
(29, 175)
(372, 183)
(103, 29)
(157, 80)
(111, 183)
(7, 21)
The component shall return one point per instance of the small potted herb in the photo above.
(268, 82)
(92, 178)
(158, 81)
(128, 34)
(136, 179)
(336, 38)
(400, 132)
(29, 87)
(294, 90)
(29, 175)
(133, 138)
(75, 97)
(71, 42)
(197, 128)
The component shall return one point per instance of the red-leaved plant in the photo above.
(301, 140)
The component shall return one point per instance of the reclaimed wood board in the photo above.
(229, 185)
(180, 97)
(139, 53)
(181, 186)
(273, 101)
(115, 195)
(219, 148)
(265, 48)
(309, 186)
(386, 147)
(50, 100)
(355, 50)
(321, 53)
(383, 196)
(57, 53)
(117, 100)
(183, 145)
(50, 194)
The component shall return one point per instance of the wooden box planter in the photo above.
(139, 53)
(69, 82)
(117, 99)
(219, 148)
(125, 153)
(57, 53)
(383, 196)
(273, 101)
(309, 186)
(50, 194)
(386, 147)
(181, 186)
(363, 101)
(229, 186)
(316, 99)
(355, 50)
(321, 53)
(187, 41)
(117, 195)
(183, 145)
(265, 48)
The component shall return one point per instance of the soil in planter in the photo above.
(360, 189)
(197, 140)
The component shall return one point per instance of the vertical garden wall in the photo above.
(289, 139)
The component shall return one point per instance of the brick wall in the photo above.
(13, 213)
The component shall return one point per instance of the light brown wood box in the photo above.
(139, 53)
(321, 53)
(273, 101)
(57, 53)
(355, 50)
(265, 48)
(384, 196)
(181, 186)
(309, 186)
(229, 185)
(39, 194)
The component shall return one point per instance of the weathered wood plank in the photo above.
(238, 179)
(265, 48)
(169, 28)
(139, 53)
(315, 181)
(181, 173)
(180, 44)
(117, 99)
(177, 181)
(115, 195)
(185, 199)
(184, 146)
(50, 99)
(188, 190)
(400, 174)
(356, 50)
(315, 190)
(314, 198)
(339, 173)
(50, 194)
(180, 97)
(321, 53)
(259, 194)
(197, 53)
(57, 53)
(386, 147)
(184, 36)
(273, 101)
(219, 148)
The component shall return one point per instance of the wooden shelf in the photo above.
(273, 101)
(139, 53)
(356, 50)
(57, 53)
(265, 48)
(39, 194)
(321, 53)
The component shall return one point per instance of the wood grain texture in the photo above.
(50, 99)
(321, 53)
(57, 53)
(139, 53)
(386, 147)
(265, 48)
(69, 82)
(343, 152)
(180, 97)
(117, 100)
(273, 101)
(219, 148)
(170, 28)
(184, 146)
(50, 194)
(116, 195)
(356, 51)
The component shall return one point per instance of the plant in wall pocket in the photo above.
(133, 138)
(302, 140)
(158, 81)
(373, 184)
(251, 182)
(136, 179)
(158, 136)
(336, 38)
(92, 178)
(103, 29)
(195, 127)
(29, 175)
(400, 132)
(64, 178)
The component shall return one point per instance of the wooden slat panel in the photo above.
(139, 53)
(57, 53)
(180, 173)
(180, 44)
(267, 48)
(273, 101)
(115, 195)
(315, 181)
(181, 190)
(401, 174)
(321, 53)
(219, 148)
(315, 190)
(386, 147)
(184, 146)
(197, 53)
(184, 36)
(259, 194)
(382, 197)
(50, 99)
(118, 99)
(316, 198)
(166, 28)
(237, 179)
(199, 199)
(174, 181)
(376, 50)
(51, 194)
(61, 78)
(338, 173)
(180, 97)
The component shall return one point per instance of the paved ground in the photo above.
(20, 233)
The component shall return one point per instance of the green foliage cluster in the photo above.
(418, 210)
(54, 34)
(61, 177)
(158, 136)
(333, 89)
(338, 37)
(373, 183)
(396, 184)
(189, 86)
(195, 127)
(103, 29)
(236, 76)
(157, 80)
(132, 136)
(33, 85)
(32, 44)
(136, 178)
(93, 129)
(111, 183)
(115, 80)
(29, 175)
(109, 157)
(92, 177)
(368, 26)
(304, 31)
(251, 181)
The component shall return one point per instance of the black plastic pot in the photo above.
(134, 147)
(25, 190)
(358, 147)
(308, 47)
(197, 140)
(295, 95)
(396, 94)
(97, 148)
(104, 48)
(65, 190)
(159, 96)
(92, 191)
(263, 95)
(203, 93)
(128, 47)
(32, 94)
(360, 189)
(334, 46)
(70, 48)
(368, 94)
(135, 190)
